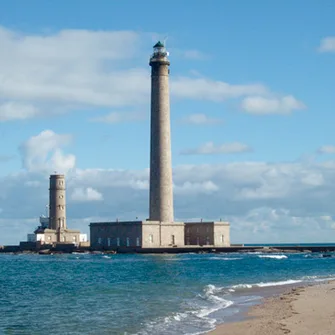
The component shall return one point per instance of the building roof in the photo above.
(159, 44)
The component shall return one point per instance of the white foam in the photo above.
(177, 259)
(273, 256)
(218, 302)
(225, 258)
(240, 286)
(279, 283)
(198, 316)
(261, 284)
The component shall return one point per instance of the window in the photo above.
(198, 240)
(207, 229)
(151, 238)
(128, 241)
(61, 196)
(187, 230)
(118, 241)
(172, 240)
(137, 241)
(109, 241)
(207, 240)
(74, 238)
(197, 229)
(99, 240)
(187, 241)
(222, 239)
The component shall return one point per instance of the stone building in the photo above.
(148, 234)
(160, 230)
(144, 234)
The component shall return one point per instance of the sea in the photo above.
(140, 294)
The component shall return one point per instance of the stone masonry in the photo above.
(161, 193)
(57, 202)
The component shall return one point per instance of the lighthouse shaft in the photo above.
(161, 186)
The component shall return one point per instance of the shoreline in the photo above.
(305, 309)
(70, 248)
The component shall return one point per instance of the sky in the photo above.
(252, 112)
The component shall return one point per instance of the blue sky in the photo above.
(251, 83)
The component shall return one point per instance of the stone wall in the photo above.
(172, 234)
(63, 236)
(151, 237)
(110, 235)
(145, 234)
(50, 236)
(199, 233)
(221, 234)
(69, 236)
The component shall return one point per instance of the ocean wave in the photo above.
(225, 258)
(197, 317)
(318, 278)
(178, 259)
(279, 283)
(217, 302)
(273, 256)
(262, 284)
(241, 286)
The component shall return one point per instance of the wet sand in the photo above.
(301, 311)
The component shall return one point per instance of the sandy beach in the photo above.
(301, 311)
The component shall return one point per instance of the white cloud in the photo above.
(43, 153)
(327, 44)
(264, 202)
(117, 117)
(194, 55)
(206, 89)
(70, 68)
(17, 111)
(196, 187)
(46, 74)
(327, 149)
(281, 226)
(33, 183)
(262, 105)
(86, 194)
(210, 149)
(201, 119)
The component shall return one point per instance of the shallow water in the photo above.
(142, 294)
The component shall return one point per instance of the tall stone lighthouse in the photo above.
(160, 229)
(161, 187)
(57, 202)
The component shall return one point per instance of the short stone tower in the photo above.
(161, 192)
(57, 202)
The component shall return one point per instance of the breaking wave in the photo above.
(273, 256)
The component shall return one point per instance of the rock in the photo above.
(44, 252)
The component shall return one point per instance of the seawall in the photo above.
(69, 248)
